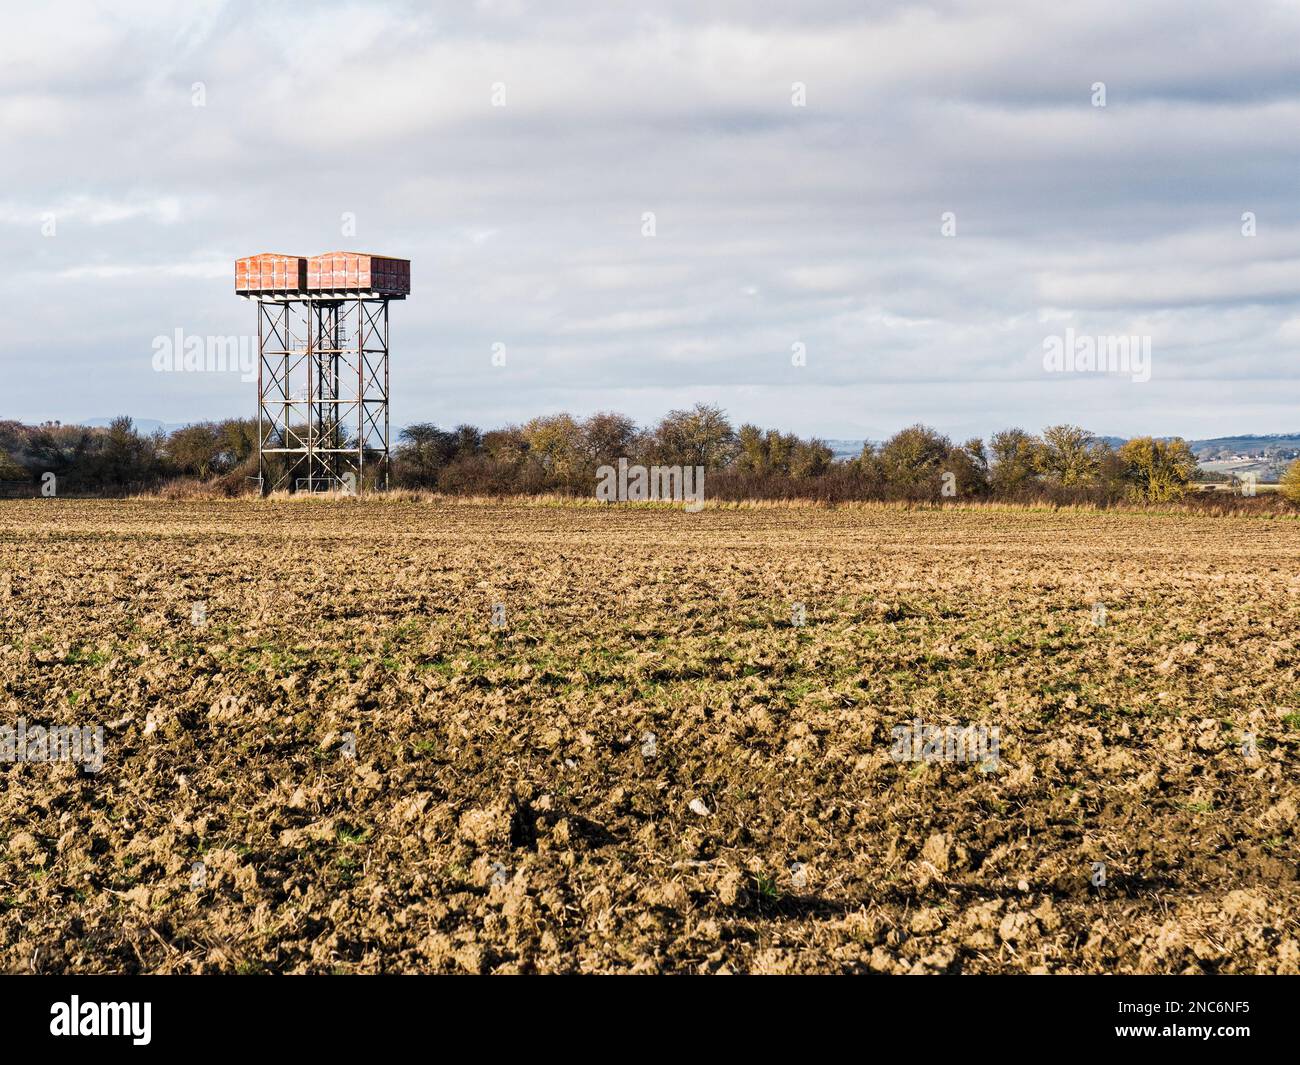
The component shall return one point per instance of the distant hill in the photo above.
(1231, 444)
(845, 449)
(1267, 457)
(1239, 445)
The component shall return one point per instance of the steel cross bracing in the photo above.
(322, 389)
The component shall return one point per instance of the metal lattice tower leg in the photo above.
(322, 393)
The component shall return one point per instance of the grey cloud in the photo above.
(775, 224)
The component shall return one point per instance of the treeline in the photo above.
(560, 454)
(119, 459)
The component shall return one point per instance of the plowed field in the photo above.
(359, 735)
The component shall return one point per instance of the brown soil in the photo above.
(648, 767)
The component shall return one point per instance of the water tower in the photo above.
(322, 372)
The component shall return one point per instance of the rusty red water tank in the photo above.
(359, 271)
(271, 272)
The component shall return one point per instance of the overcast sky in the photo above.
(774, 224)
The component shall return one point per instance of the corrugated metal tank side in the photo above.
(337, 270)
